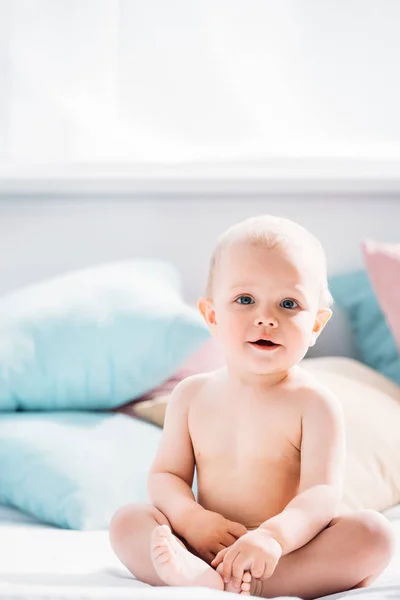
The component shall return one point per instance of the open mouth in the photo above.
(264, 344)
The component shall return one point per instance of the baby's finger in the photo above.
(257, 569)
(238, 568)
(236, 529)
(269, 570)
(227, 564)
(219, 558)
(222, 553)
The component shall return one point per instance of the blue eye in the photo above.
(244, 300)
(289, 304)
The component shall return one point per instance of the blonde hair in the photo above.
(272, 232)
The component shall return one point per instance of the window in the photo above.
(232, 84)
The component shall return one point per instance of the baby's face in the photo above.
(266, 304)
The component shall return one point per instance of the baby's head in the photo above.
(267, 285)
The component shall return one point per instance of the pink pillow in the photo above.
(383, 267)
(207, 358)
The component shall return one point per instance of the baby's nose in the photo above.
(266, 322)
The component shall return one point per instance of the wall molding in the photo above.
(284, 176)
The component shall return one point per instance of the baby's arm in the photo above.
(322, 469)
(171, 475)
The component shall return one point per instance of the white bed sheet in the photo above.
(43, 562)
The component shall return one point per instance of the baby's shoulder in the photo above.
(195, 386)
(312, 392)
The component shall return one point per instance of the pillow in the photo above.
(353, 292)
(383, 267)
(151, 410)
(93, 339)
(207, 358)
(371, 407)
(75, 469)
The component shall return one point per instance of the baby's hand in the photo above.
(256, 552)
(209, 532)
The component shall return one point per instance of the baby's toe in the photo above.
(246, 584)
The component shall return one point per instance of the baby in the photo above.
(266, 439)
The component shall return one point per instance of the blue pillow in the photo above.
(353, 292)
(74, 470)
(95, 338)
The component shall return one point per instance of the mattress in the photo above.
(42, 562)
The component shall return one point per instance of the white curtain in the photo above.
(164, 81)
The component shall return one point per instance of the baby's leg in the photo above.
(350, 553)
(141, 537)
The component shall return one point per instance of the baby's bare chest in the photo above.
(232, 435)
(247, 453)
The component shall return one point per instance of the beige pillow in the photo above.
(152, 410)
(371, 406)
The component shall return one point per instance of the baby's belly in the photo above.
(248, 494)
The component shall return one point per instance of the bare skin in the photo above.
(267, 442)
(219, 430)
(223, 429)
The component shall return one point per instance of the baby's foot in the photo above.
(243, 589)
(176, 566)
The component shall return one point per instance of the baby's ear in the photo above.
(206, 308)
(323, 316)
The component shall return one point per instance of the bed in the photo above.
(39, 561)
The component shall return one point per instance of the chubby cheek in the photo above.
(230, 327)
(300, 330)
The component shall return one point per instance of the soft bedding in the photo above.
(74, 469)
(94, 338)
(43, 562)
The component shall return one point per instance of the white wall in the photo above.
(44, 237)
